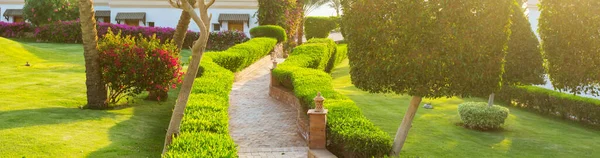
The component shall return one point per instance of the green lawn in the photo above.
(435, 133)
(40, 115)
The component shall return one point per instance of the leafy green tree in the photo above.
(435, 48)
(571, 44)
(40, 12)
(524, 63)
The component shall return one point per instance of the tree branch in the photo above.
(210, 3)
(175, 4)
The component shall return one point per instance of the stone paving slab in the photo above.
(261, 126)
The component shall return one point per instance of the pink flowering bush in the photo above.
(70, 32)
(14, 30)
(132, 65)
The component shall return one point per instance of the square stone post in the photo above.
(317, 125)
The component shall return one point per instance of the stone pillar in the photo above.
(274, 81)
(317, 124)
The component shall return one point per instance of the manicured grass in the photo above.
(40, 115)
(435, 133)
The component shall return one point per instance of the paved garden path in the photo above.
(261, 126)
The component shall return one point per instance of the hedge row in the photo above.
(70, 32)
(243, 55)
(204, 128)
(348, 129)
(14, 30)
(319, 26)
(553, 103)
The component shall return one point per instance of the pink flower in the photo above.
(32, 9)
(55, 10)
(49, 19)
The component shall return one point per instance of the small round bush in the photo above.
(478, 115)
(319, 26)
(272, 31)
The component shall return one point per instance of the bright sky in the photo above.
(324, 10)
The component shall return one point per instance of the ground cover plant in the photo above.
(41, 112)
(439, 132)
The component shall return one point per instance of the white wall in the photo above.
(533, 13)
(3, 8)
(168, 17)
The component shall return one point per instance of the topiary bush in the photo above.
(223, 40)
(133, 65)
(272, 31)
(478, 115)
(48, 11)
(319, 26)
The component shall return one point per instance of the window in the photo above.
(236, 26)
(151, 24)
(132, 22)
(106, 19)
(216, 27)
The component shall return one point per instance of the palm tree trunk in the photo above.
(300, 3)
(182, 28)
(491, 100)
(96, 89)
(405, 125)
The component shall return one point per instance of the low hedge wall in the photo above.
(553, 103)
(243, 55)
(204, 128)
(348, 130)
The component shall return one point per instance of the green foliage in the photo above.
(47, 11)
(479, 115)
(131, 66)
(571, 44)
(433, 49)
(243, 55)
(319, 26)
(272, 31)
(553, 103)
(284, 13)
(204, 128)
(348, 130)
(524, 63)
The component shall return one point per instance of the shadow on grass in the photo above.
(143, 134)
(48, 116)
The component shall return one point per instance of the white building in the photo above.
(227, 14)
(533, 13)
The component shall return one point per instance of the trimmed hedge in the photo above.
(349, 131)
(553, 103)
(243, 55)
(479, 115)
(272, 31)
(319, 26)
(204, 128)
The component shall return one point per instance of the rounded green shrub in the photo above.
(478, 115)
(48, 11)
(272, 31)
(319, 26)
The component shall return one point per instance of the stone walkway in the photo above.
(262, 127)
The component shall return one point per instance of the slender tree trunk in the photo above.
(96, 89)
(405, 126)
(301, 25)
(491, 100)
(203, 21)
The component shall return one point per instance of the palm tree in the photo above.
(96, 89)
(308, 6)
(203, 22)
(337, 5)
(182, 27)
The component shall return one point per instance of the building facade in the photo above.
(226, 14)
(533, 14)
